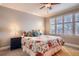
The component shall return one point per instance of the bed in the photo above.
(43, 45)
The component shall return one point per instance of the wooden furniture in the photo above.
(15, 43)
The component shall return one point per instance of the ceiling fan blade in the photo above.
(43, 3)
(54, 3)
(42, 7)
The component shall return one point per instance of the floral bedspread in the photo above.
(42, 43)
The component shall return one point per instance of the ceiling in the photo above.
(34, 8)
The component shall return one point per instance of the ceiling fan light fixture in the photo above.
(48, 5)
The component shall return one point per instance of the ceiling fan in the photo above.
(47, 5)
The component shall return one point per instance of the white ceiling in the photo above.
(34, 8)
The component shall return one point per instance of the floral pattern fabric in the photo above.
(42, 44)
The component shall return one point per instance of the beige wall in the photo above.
(73, 39)
(47, 26)
(12, 21)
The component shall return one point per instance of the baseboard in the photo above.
(3, 48)
(72, 45)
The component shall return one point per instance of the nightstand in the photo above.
(15, 43)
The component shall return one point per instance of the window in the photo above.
(68, 18)
(77, 17)
(77, 23)
(59, 25)
(59, 28)
(52, 26)
(59, 20)
(52, 21)
(66, 24)
(68, 28)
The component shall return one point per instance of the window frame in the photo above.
(68, 23)
(63, 24)
(76, 22)
(52, 24)
(59, 24)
